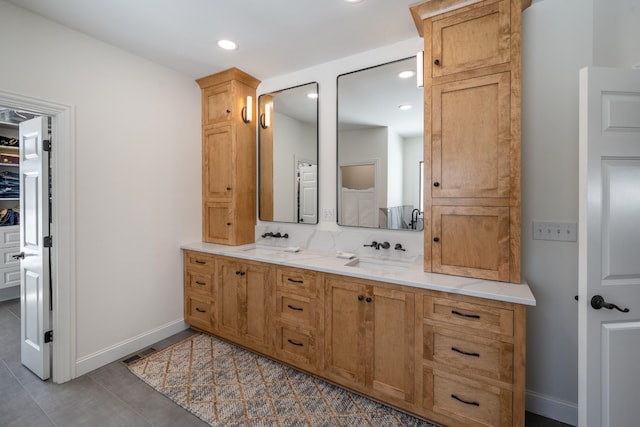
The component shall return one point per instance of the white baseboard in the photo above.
(553, 408)
(117, 351)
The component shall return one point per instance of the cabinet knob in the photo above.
(228, 188)
(368, 299)
(436, 184)
(228, 111)
(360, 297)
(436, 62)
(228, 223)
(436, 239)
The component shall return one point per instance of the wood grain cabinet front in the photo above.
(453, 359)
(228, 158)
(472, 360)
(472, 133)
(369, 344)
(243, 303)
(297, 317)
(199, 290)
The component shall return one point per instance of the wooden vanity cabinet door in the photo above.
(471, 241)
(217, 104)
(369, 342)
(470, 138)
(243, 302)
(470, 39)
(345, 325)
(392, 343)
(218, 162)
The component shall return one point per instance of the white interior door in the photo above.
(308, 194)
(34, 227)
(609, 248)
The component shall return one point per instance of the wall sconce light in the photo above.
(265, 119)
(247, 110)
(420, 69)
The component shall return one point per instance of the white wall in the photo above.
(556, 44)
(616, 33)
(137, 159)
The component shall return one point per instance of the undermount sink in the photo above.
(371, 264)
(261, 250)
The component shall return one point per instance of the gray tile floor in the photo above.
(107, 397)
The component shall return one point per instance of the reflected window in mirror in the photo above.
(380, 147)
(288, 159)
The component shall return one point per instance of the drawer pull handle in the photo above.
(464, 352)
(200, 262)
(299, 344)
(472, 316)
(295, 280)
(453, 396)
(199, 310)
(200, 283)
(295, 308)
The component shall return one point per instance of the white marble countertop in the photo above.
(374, 268)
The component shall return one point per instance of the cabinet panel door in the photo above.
(217, 222)
(471, 134)
(218, 162)
(345, 331)
(393, 343)
(257, 289)
(199, 311)
(217, 104)
(229, 298)
(471, 241)
(471, 39)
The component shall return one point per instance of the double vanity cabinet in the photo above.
(451, 357)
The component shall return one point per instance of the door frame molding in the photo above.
(63, 252)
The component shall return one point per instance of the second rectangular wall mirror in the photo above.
(380, 127)
(288, 160)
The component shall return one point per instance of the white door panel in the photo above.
(34, 227)
(609, 248)
(308, 194)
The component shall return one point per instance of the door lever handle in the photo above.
(18, 256)
(598, 302)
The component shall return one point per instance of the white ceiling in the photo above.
(275, 37)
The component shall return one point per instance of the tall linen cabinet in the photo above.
(228, 158)
(472, 132)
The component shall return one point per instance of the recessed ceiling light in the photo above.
(353, 1)
(312, 95)
(405, 107)
(227, 44)
(406, 74)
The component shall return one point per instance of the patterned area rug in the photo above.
(225, 385)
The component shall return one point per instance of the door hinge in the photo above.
(48, 336)
(46, 145)
(48, 241)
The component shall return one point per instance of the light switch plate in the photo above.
(328, 214)
(557, 231)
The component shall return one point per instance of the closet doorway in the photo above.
(61, 307)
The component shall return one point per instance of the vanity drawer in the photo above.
(295, 308)
(470, 403)
(481, 317)
(296, 345)
(296, 280)
(198, 260)
(199, 312)
(198, 282)
(469, 353)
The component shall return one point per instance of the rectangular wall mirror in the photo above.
(380, 126)
(288, 162)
